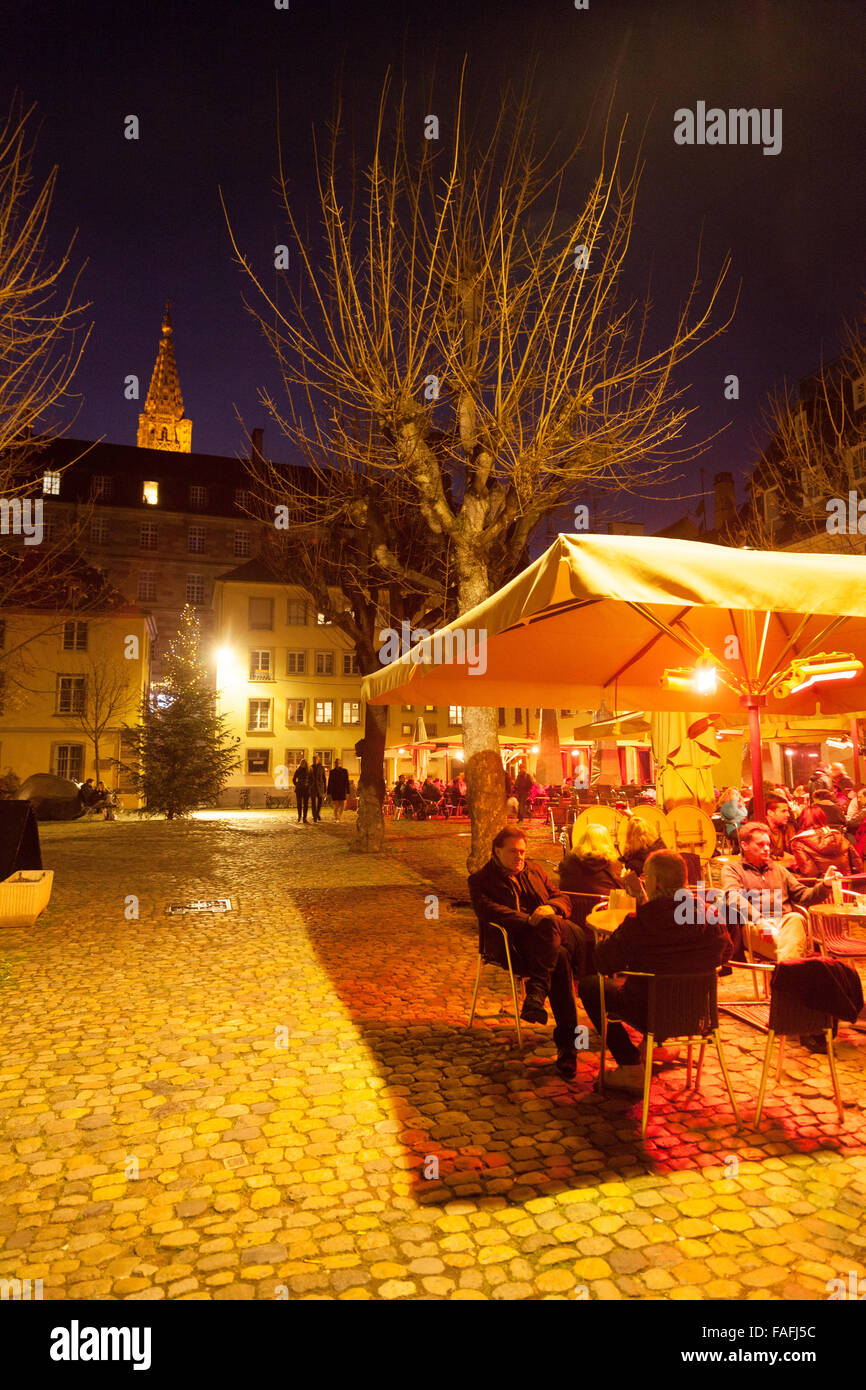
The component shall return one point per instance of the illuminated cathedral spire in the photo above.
(162, 424)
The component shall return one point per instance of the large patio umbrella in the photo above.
(599, 614)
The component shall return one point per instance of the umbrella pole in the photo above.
(753, 705)
(855, 739)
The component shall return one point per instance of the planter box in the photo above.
(24, 896)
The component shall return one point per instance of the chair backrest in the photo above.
(790, 1014)
(582, 905)
(680, 1006)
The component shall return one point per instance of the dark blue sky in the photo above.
(202, 79)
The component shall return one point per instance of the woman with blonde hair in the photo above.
(591, 871)
(641, 840)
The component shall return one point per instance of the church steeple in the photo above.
(162, 424)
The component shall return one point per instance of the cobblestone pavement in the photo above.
(255, 1106)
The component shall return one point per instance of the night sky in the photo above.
(202, 79)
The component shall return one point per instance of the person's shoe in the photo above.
(533, 1010)
(566, 1065)
(625, 1079)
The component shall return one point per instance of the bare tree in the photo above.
(462, 307)
(109, 701)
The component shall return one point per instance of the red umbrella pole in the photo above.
(855, 739)
(753, 705)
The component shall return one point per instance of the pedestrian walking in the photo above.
(317, 788)
(338, 788)
(301, 783)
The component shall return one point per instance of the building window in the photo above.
(324, 663)
(49, 530)
(322, 621)
(146, 586)
(455, 716)
(350, 664)
(324, 711)
(101, 486)
(501, 717)
(406, 729)
(296, 613)
(195, 588)
(326, 755)
(75, 636)
(261, 613)
(428, 709)
(70, 695)
(99, 531)
(242, 498)
(195, 540)
(858, 390)
(148, 536)
(351, 712)
(261, 665)
(150, 493)
(296, 663)
(432, 730)
(259, 715)
(242, 544)
(565, 714)
(408, 709)
(518, 716)
(197, 496)
(69, 761)
(294, 756)
(258, 760)
(51, 484)
(295, 711)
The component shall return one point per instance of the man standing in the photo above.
(301, 782)
(523, 786)
(317, 788)
(655, 939)
(518, 895)
(760, 894)
(338, 788)
(780, 828)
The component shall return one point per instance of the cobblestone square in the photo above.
(285, 1101)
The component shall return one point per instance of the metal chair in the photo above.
(486, 956)
(678, 1006)
(561, 818)
(829, 932)
(790, 1018)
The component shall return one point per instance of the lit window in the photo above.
(51, 484)
(294, 756)
(351, 712)
(296, 663)
(195, 588)
(322, 621)
(259, 715)
(296, 613)
(75, 637)
(405, 728)
(295, 711)
(324, 711)
(258, 760)
(150, 493)
(455, 715)
(146, 586)
(148, 536)
(350, 664)
(407, 709)
(324, 663)
(197, 496)
(260, 665)
(242, 544)
(261, 613)
(195, 540)
(326, 756)
(70, 695)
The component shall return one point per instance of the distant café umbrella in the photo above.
(749, 631)
(52, 798)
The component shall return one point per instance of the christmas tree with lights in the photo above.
(183, 752)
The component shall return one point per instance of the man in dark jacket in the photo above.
(523, 786)
(338, 788)
(519, 896)
(301, 783)
(317, 788)
(655, 939)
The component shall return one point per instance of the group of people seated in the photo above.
(669, 932)
(432, 797)
(97, 798)
(810, 828)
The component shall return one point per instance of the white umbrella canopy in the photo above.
(598, 614)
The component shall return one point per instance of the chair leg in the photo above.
(475, 992)
(781, 1058)
(516, 1009)
(647, 1083)
(768, 1056)
(831, 1058)
(689, 1065)
(603, 1056)
(700, 1069)
(717, 1039)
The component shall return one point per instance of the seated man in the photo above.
(657, 939)
(761, 893)
(779, 824)
(520, 897)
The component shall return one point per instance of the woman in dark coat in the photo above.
(592, 870)
(317, 788)
(338, 788)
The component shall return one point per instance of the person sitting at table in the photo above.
(732, 811)
(593, 869)
(516, 894)
(779, 822)
(760, 896)
(816, 847)
(431, 794)
(641, 840)
(654, 939)
(831, 808)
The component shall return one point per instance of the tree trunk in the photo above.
(485, 780)
(548, 769)
(96, 755)
(370, 825)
